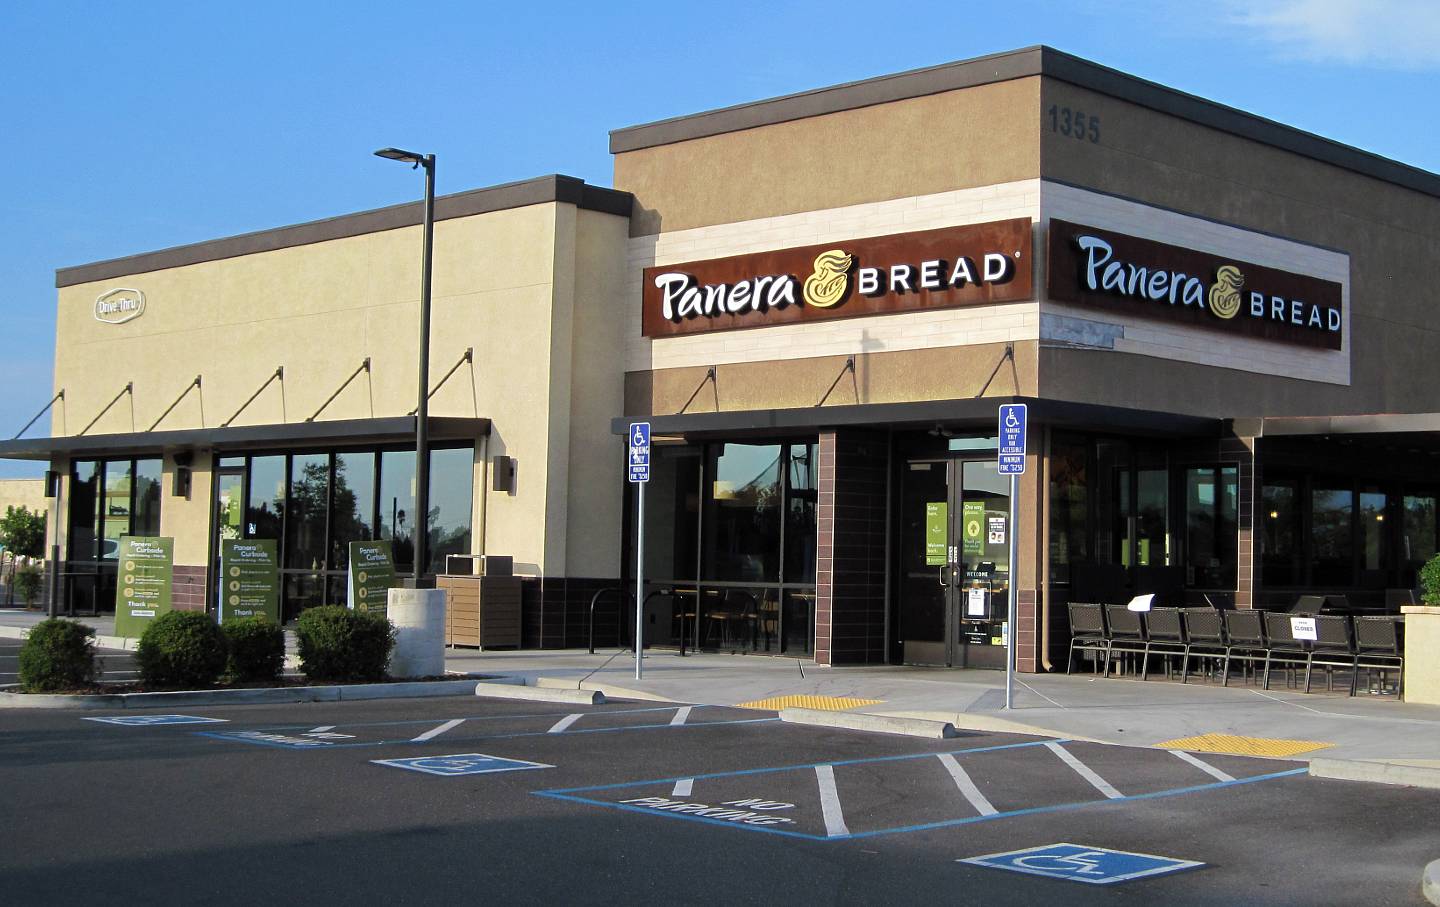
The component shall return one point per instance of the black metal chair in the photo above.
(1377, 648)
(1332, 648)
(1087, 632)
(1308, 604)
(1284, 648)
(1244, 640)
(1205, 632)
(1124, 631)
(1164, 635)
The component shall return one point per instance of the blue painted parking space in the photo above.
(154, 720)
(861, 798)
(1078, 863)
(461, 764)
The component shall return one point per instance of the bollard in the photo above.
(419, 619)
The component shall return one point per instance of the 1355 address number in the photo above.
(1074, 123)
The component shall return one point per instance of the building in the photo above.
(1220, 325)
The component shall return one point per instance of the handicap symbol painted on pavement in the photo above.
(147, 720)
(461, 764)
(1078, 863)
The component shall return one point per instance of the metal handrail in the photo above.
(593, 600)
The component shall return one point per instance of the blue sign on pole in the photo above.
(1077, 863)
(639, 460)
(1012, 439)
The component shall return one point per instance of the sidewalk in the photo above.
(1279, 722)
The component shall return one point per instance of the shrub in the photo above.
(181, 649)
(57, 655)
(257, 648)
(339, 644)
(27, 583)
(1430, 580)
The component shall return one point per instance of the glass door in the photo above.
(954, 563)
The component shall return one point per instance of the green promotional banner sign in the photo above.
(142, 590)
(371, 574)
(250, 579)
(937, 514)
(973, 532)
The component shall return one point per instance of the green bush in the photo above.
(339, 644)
(27, 583)
(181, 649)
(57, 655)
(1430, 581)
(257, 648)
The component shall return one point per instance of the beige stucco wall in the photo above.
(952, 140)
(27, 493)
(504, 284)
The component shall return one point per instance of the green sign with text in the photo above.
(250, 579)
(142, 590)
(973, 532)
(937, 535)
(371, 574)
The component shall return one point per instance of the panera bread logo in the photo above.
(119, 306)
(955, 266)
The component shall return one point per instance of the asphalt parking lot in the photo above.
(421, 801)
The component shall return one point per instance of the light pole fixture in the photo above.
(421, 520)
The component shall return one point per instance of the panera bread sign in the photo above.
(119, 306)
(1107, 270)
(935, 269)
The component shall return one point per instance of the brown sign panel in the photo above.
(1119, 273)
(979, 264)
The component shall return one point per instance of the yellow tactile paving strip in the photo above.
(1244, 746)
(828, 703)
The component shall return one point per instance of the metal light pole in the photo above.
(421, 521)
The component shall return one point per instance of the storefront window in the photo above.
(1280, 534)
(800, 532)
(1152, 517)
(452, 474)
(1210, 529)
(149, 478)
(1332, 535)
(115, 507)
(744, 518)
(306, 512)
(1112, 503)
(1418, 542)
(353, 505)
(265, 498)
(1373, 534)
(672, 512)
(397, 505)
(108, 499)
(84, 487)
(1069, 502)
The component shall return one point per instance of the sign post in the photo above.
(1011, 463)
(638, 472)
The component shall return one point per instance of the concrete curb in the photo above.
(609, 691)
(420, 689)
(878, 724)
(1430, 883)
(969, 721)
(537, 694)
(1376, 772)
(117, 643)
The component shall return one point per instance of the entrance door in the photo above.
(229, 515)
(954, 563)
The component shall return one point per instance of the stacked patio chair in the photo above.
(1377, 648)
(1087, 632)
(1332, 648)
(1205, 634)
(1244, 640)
(1164, 635)
(1284, 649)
(1125, 633)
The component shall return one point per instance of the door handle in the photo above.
(943, 568)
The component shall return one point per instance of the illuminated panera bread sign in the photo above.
(979, 264)
(1107, 270)
(119, 306)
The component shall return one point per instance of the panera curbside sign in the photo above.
(1108, 270)
(119, 306)
(934, 269)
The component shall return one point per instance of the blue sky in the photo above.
(131, 127)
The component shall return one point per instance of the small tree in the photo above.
(22, 532)
(1430, 581)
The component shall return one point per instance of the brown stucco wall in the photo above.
(953, 140)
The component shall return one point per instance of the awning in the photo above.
(1374, 424)
(386, 430)
(974, 411)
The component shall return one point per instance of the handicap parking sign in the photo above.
(639, 450)
(148, 720)
(461, 764)
(1078, 863)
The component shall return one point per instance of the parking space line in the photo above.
(437, 731)
(1205, 767)
(321, 729)
(682, 715)
(683, 787)
(967, 787)
(830, 802)
(1084, 771)
(560, 726)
